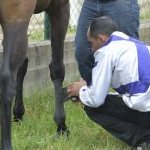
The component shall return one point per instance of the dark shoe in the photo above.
(144, 146)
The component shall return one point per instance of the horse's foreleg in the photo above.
(59, 18)
(14, 49)
(18, 109)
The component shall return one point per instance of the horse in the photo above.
(14, 19)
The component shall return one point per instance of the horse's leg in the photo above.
(14, 55)
(15, 16)
(18, 109)
(59, 18)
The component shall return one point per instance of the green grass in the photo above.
(37, 129)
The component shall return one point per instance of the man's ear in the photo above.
(101, 37)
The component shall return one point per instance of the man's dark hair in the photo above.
(102, 25)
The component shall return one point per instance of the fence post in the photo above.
(47, 27)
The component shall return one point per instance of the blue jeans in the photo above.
(124, 12)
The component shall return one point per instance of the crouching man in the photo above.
(122, 63)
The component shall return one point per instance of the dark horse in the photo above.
(14, 18)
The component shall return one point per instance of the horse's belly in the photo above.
(42, 5)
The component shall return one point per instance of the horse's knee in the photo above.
(8, 85)
(57, 71)
(23, 69)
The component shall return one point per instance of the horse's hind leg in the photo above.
(59, 18)
(18, 109)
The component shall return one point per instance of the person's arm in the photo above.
(94, 95)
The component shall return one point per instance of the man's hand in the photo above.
(73, 89)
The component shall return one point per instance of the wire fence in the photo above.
(36, 26)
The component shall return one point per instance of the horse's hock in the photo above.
(39, 54)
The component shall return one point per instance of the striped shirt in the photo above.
(122, 63)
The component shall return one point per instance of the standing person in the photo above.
(124, 12)
(123, 63)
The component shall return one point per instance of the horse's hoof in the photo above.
(58, 135)
(54, 137)
(63, 133)
(17, 120)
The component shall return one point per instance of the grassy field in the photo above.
(37, 130)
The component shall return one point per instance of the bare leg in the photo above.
(59, 15)
(18, 109)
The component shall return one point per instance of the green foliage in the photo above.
(71, 30)
(145, 16)
(37, 130)
(36, 35)
(144, 10)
